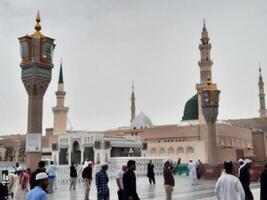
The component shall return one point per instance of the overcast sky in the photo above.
(107, 44)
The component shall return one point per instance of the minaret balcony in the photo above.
(60, 109)
(203, 63)
(60, 93)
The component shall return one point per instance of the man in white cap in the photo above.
(38, 192)
(101, 182)
(228, 186)
(244, 178)
(87, 177)
(21, 186)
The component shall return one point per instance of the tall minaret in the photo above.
(60, 111)
(132, 104)
(205, 64)
(262, 109)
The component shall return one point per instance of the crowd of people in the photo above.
(235, 187)
(22, 184)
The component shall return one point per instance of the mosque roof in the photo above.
(191, 109)
(141, 121)
(252, 123)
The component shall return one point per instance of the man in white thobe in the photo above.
(192, 167)
(228, 186)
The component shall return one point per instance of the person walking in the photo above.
(52, 171)
(101, 182)
(244, 178)
(228, 186)
(150, 172)
(192, 168)
(119, 177)
(129, 182)
(87, 177)
(241, 164)
(41, 168)
(22, 185)
(73, 176)
(263, 194)
(3, 188)
(199, 169)
(38, 192)
(169, 182)
(12, 180)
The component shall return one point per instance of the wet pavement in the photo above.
(182, 190)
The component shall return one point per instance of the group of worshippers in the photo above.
(125, 178)
(14, 184)
(231, 187)
(24, 185)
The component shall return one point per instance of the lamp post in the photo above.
(210, 102)
(36, 69)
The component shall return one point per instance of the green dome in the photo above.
(191, 109)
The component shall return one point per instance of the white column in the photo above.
(69, 150)
(82, 156)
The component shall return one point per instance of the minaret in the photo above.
(132, 104)
(205, 64)
(60, 111)
(262, 109)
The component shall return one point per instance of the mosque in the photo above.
(186, 140)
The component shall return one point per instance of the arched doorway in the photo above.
(153, 152)
(180, 154)
(190, 154)
(76, 153)
(162, 152)
(63, 156)
(171, 153)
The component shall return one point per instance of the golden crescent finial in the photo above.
(38, 19)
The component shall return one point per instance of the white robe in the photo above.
(228, 187)
(192, 167)
(19, 193)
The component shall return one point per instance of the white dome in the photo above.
(141, 121)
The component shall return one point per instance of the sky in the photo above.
(107, 44)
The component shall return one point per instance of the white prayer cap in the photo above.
(248, 161)
(41, 176)
(104, 164)
(240, 160)
(89, 162)
(19, 169)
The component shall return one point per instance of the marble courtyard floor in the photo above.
(182, 191)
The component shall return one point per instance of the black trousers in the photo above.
(120, 194)
(249, 195)
(152, 179)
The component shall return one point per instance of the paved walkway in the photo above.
(182, 191)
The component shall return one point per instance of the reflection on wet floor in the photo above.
(182, 190)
